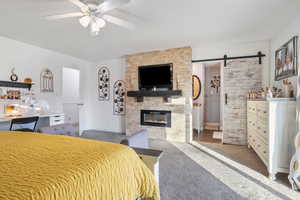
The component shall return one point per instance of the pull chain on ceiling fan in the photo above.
(94, 16)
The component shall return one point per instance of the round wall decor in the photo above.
(103, 84)
(196, 87)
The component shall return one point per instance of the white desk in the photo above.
(46, 119)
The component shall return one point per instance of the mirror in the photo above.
(196, 87)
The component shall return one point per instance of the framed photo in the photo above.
(286, 60)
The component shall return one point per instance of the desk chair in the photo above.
(29, 121)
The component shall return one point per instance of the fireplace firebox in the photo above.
(159, 118)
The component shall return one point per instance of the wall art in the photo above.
(103, 84)
(286, 60)
(196, 87)
(47, 81)
(13, 77)
(119, 98)
(215, 83)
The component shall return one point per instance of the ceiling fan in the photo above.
(93, 14)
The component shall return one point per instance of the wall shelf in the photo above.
(144, 93)
(16, 84)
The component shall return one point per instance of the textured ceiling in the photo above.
(160, 24)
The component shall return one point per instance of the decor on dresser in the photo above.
(216, 83)
(119, 98)
(286, 60)
(47, 81)
(13, 76)
(288, 89)
(196, 87)
(103, 84)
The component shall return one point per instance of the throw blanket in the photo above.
(51, 167)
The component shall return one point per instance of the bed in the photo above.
(51, 167)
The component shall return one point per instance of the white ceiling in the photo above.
(160, 24)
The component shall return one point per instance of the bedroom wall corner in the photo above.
(100, 113)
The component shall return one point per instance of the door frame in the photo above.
(221, 93)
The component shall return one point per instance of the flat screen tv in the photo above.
(156, 76)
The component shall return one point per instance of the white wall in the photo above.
(293, 29)
(100, 113)
(287, 33)
(236, 49)
(29, 61)
(198, 117)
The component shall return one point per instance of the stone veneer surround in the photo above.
(181, 107)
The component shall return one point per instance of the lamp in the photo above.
(100, 22)
(85, 21)
(96, 25)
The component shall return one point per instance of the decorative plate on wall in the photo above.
(119, 98)
(103, 84)
(196, 87)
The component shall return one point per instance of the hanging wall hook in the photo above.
(225, 60)
(260, 57)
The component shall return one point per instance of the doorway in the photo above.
(71, 97)
(207, 109)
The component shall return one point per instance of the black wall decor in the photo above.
(103, 84)
(119, 98)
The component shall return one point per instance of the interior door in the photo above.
(239, 76)
(71, 97)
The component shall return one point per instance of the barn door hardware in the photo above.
(259, 55)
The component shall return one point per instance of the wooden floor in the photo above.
(238, 153)
(206, 136)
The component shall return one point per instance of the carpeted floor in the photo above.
(180, 177)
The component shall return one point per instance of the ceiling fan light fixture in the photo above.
(85, 21)
(100, 22)
(95, 29)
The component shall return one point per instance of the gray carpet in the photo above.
(180, 177)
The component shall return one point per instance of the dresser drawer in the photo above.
(262, 114)
(57, 120)
(262, 138)
(262, 125)
(262, 149)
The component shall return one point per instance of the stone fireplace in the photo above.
(165, 118)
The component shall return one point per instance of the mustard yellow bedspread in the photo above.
(48, 167)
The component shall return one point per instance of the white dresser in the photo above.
(271, 129)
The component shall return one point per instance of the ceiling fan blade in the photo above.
(109, 5)
(63, 16)
(119, 22)
(79, 4)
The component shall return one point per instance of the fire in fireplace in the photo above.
(159, 118)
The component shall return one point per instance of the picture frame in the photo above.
(286, 60)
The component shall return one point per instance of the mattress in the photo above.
(40, 166)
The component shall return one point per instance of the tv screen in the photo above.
(156, 76)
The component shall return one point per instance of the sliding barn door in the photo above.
(239, 76)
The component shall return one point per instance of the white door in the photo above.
(239, 76)
(71, 96)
